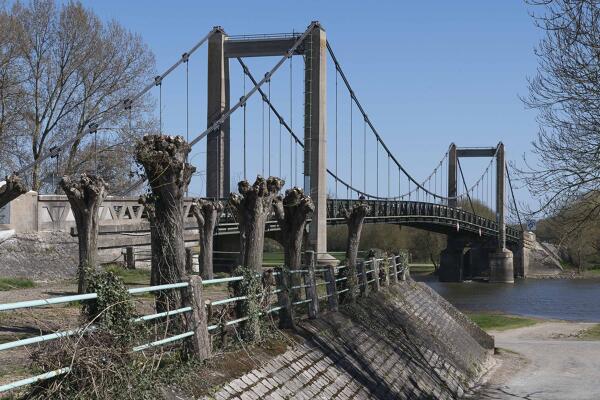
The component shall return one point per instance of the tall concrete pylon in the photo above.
(218, 141)
(315, 136)
(220, 49)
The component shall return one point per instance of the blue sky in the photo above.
(428, 73)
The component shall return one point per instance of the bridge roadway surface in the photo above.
(428, 216)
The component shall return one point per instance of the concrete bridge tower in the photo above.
(314, 49)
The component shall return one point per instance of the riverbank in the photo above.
(548, 360)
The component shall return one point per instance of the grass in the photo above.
(592, 272)
(276, 258)
(421, 268)
(15, 283)
(130, 276)
(500, 322)
(592, 333)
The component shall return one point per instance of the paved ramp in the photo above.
(400, 343)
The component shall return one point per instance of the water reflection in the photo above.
(573, 300)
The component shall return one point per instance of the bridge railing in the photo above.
(421, 213)
(318, 288)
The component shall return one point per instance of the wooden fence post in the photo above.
(394, 270)
(332, 299)
(129, 257)
(201, 345)
(311, 285)
(189, 261)
(361, 268)
(284, 299)
(385, 271)
(376, 274)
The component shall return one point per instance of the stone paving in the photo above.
(396, 344)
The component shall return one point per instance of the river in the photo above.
(565, 299)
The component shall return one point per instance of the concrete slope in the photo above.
(400, 343)
(545, 260)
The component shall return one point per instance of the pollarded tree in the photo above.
(253, 205)
(12, 188)
(85, 195)
(207, 215)
(292, 212)
(164, 161)
(354, 220)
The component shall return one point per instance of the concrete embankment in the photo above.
(403, 342)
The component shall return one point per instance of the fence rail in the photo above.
(311, 279)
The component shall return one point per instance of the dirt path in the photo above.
(545, 361)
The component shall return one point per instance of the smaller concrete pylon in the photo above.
(501, 261)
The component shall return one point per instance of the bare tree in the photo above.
(76, 69)
(10, 91)
(565, 91)
(85, 195)
(253, 205)
(164, 161)
(207, 215)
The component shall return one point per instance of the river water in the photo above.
(566, 299)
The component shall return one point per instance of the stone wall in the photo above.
(41, 256)
(400, 343)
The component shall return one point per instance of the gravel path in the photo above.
(545, 361)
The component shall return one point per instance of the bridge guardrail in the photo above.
(313, 281)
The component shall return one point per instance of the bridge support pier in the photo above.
(451, 262)
(501, 267)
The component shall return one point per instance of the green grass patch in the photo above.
(272, 258)
(592, 333)
(15, 283)
(130, 276)
(500, 322)
(422, 268)
(592, 272)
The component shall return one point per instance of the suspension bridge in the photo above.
(340, 176)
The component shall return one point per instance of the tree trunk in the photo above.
(164, 161)
(207, 214)
(253, 205)
(354, 219)
(12, 189)
(85, 196)
(292, 213)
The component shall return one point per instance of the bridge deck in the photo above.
(423, 215)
